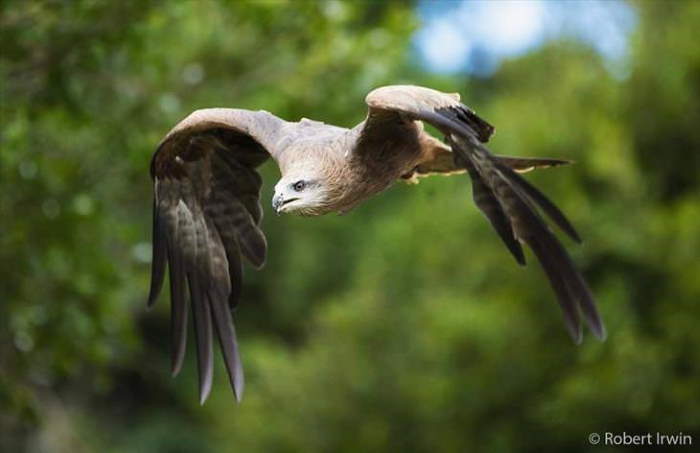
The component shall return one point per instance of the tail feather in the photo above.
(526, 164)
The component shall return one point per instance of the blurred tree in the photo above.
(403, 325)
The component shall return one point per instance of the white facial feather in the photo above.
(311, 200)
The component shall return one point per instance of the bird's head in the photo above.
(303, 195)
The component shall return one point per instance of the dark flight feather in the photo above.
(489, 205)
(206, 217)
(462, 114)
(170, 209)
(159, 256)
(514, 213)
(542, 201)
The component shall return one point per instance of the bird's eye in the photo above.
(299, 186)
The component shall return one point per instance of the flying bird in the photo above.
(207, 212)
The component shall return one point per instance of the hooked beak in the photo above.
(278, 202)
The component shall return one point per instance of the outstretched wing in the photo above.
(506, 198)
(206, 215)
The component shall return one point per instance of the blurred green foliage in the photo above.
(402, 326)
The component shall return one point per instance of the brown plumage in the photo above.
(207, 213)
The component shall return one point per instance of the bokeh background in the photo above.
(402, 326)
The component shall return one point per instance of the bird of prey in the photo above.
(206, 209)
